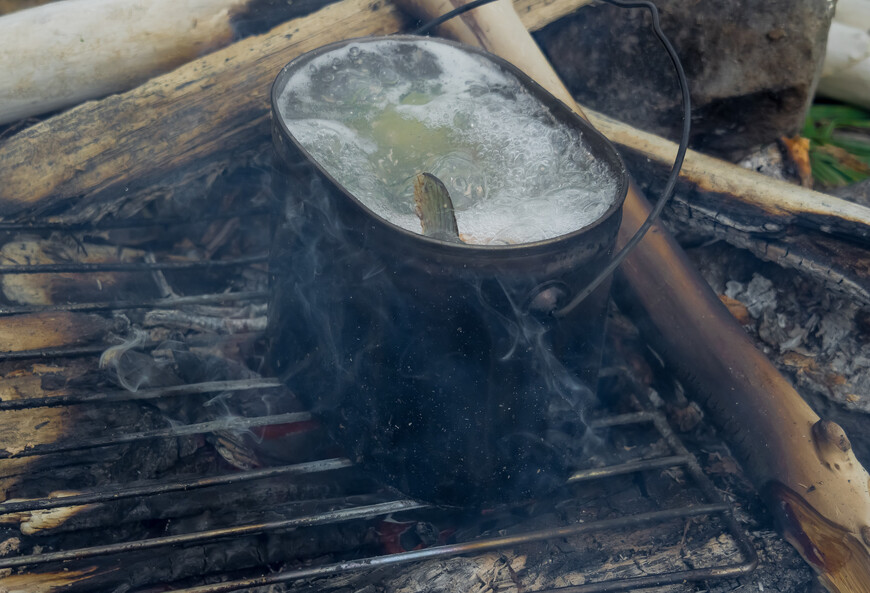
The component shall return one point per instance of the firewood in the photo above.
(47, 289)
(31, 522)
(195, 121)
(27, 427)
(238, 504)
(768, 204)
(47, 582)
(7, 6)
(39, 379)
(842, 266)
(20, 429)
(784, 446)
(37, 475)
(71, 51)
(222, 324)
(150, 571)
(804, 465)
(846, 73)
(47, 330)
(75, 50)
(67, 52)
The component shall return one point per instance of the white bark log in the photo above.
(846, 73)
(855, 13)
(64, 53)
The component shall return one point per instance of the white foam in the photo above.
(375, 114)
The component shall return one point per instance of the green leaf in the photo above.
(821, 127)
(843, 114)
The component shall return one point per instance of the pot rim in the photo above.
(598, 143)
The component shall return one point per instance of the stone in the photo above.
(752, 65)
(856, 192)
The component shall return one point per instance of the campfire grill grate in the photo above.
(30, 563)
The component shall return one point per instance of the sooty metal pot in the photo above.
(436, 365)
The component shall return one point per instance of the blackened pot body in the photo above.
(436, 365)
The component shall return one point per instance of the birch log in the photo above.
(846, 73)
(773, 203)
(816, 486)
(7, 6)
(70, 51)
(67, 52)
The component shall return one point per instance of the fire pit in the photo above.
(135, 387)
(212, 477)
(181, 518)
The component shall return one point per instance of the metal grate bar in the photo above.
(76, 351)
(337, 516)
(86, 268)
(142, 394)
(173, 431)
(111, 494)
(62, 352)
(630, 418)
(683, 457)
(692, 465)
(152, 488)
(475, 546)
(202, 299)
(743, 543)
(130, 223)
(628, 468)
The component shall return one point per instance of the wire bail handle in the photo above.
(678, 160)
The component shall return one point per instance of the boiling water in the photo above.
(375, 114)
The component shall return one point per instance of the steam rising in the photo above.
(130, 371)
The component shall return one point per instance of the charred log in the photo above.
(696, 214)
